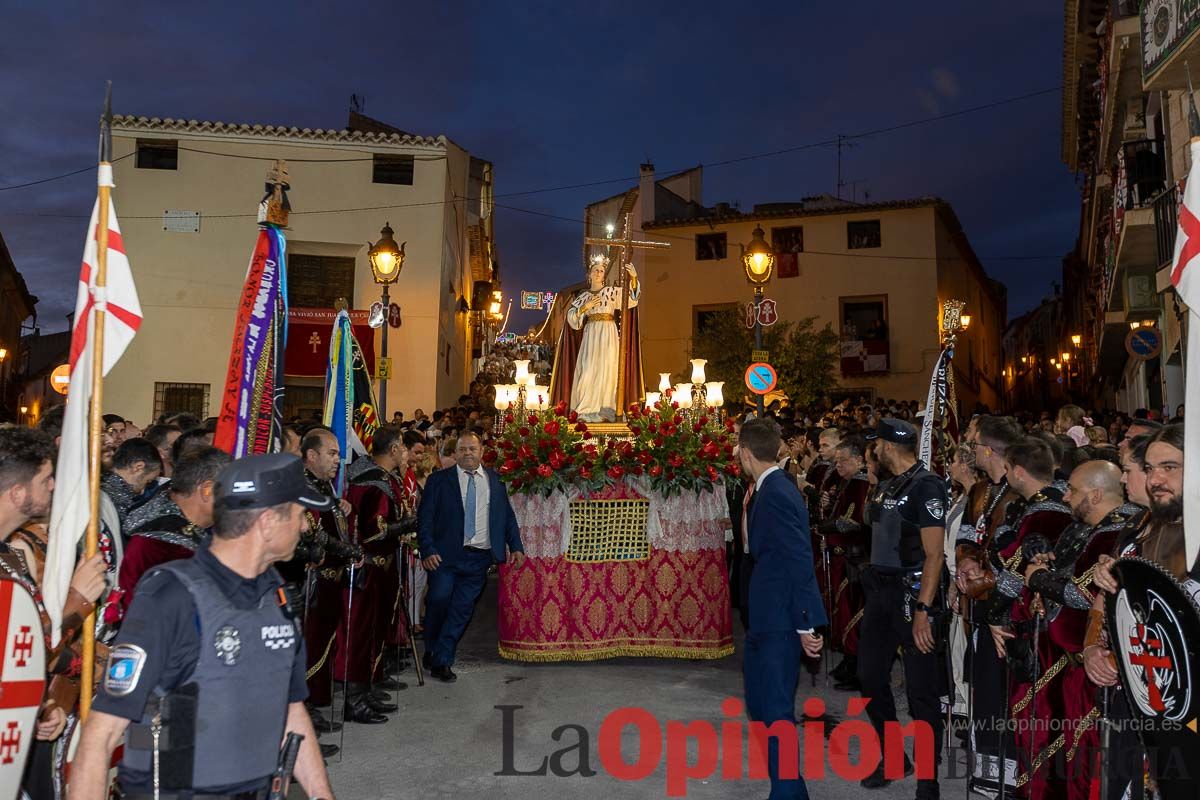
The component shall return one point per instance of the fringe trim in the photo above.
(324, 657)
(850, 625)
(642, 651)
(1055, 668)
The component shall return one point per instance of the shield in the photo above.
(22, 681)
(1154, 632)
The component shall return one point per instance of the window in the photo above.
(865, 347)
(704, 318)
(788, 244)
(710, 246)
(318, 281)
(157, 154)
(180, 398)
(863, 234)
(392, 169)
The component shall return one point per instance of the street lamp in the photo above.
(386, 262)
(759, 259)
(1076, 340)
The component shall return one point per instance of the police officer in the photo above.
(209, 664)
(901, 585)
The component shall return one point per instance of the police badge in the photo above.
(935, 508)
(228, 643)
(1154, 632)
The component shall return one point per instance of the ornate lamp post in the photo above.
(759, 259)
(386, 262)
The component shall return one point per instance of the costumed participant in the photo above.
(588, 359)
(325, 625)
(172, 536)
(381, 519)
(1018, 635)
(136, 464)
(192, 632)
(410, 558)
(784, 606)
(821, 475)
(848, 541)
(1158, 537)
(1060, 583)
(902, 584)
(976, 551)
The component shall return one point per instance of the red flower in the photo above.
(703, 420)
(543, 443)
(615, 472)
(729, 424)
(635, 411)
(490, 457)
(656, 470)
(561, 409)
(556, 460)
(581, 428)
(695, 473)
(524, 453)
(712, 472)
(544, 470)
(733, 469)
(658, 441)
(553, 427)
(636, 430)
(573, 417)
(590, 449)
(651, 427)
(637, 470)
(705, 438)
(728, 449)
(533, 419)
(585, 473)
(644, 456)
(508, 418)
(675, 460)
(506, 445)
(516, 484)
(626, 449)
(523, 432)
(696, 428)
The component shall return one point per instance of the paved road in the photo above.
(447, 740)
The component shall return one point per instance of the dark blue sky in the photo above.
(558, 93)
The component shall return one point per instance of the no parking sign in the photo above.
(761, 378)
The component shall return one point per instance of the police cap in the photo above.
(265, 481)
(895, 430)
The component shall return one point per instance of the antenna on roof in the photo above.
(358, 103)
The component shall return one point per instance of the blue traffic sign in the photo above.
(761, 378)
(1144, 343)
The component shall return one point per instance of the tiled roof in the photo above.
(169, 125)
(798, 210)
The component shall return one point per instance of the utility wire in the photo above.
(724, 162)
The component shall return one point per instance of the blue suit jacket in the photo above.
(441, 521)
(783, 586)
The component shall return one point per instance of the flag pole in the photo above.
(95, 423)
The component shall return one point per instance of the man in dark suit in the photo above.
(465, 524)
(785, 605)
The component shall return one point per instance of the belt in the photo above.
(332, 573)
(380, 561)
(477, 549)
(600, 318)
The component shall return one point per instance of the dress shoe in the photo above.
(321, 723)
(876, 779)
(377, 705)
(443, 674)
(328, 750)
(848, 684)
(389, 685)
(928, 790)
(358, 710)
(427, 660)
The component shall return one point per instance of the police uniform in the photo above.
(207, 661)
(902, 506)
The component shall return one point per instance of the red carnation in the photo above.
(703, 420)
(635, 412)
(637, 470)
(581, 428)
(644, 456)
(705, 438)
(573, 417)
(556, 460)
(675, 460)
(508, 418)
(697, 428)
(533, 419)
(490, 457)
(656, 470)
(544, 470)
(523, 432)
(695, 473)
(615, 472)
(516, 484)
(636, 430)
(626, 448)
(733, 469)
(553, 427)
(561, 408)
(712, 472)
(728, 449)
(524, 453)
(652, 428)
(658, 441)
(585, 473)
(729, 424)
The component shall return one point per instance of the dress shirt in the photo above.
(482, 537)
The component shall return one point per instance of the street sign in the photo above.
(1144, 344)
(750, 315)
(383, 368)
(375, 320)
(60, 378)
(394, 315)
(760, 355)
(768, 314)
(761, 378)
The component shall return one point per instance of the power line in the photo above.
(588, 184)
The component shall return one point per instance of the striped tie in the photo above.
(469, 510)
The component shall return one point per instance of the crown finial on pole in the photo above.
(106, 126)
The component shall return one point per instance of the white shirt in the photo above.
(482, 536)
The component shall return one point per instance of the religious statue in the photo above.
(594, 311)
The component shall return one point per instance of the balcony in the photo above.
(1140, 178)
(1166, 224)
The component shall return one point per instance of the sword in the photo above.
(828, 605)
(1033, 695)
(971, 646)
(346, 672)
(1105, 734)
(1002, 773)
(408, 625)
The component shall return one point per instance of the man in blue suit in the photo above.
(465, 524)
(785, 605)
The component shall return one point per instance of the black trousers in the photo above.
(884, 629)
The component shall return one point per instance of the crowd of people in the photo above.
(1002, 641)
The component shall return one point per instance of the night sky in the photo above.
(564, 93)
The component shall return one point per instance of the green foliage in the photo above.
(803, 355)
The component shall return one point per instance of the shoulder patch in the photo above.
(124, 668)
(935, 508)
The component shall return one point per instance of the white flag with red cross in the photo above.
(1185, 277)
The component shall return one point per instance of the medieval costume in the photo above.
(847, 542)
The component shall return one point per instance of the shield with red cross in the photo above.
(1153, 630)
(22, 681)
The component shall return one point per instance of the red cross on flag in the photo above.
(122, 318)
(1185, 277)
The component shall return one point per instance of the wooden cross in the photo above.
(627, 244)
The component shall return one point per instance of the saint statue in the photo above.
(588, 359)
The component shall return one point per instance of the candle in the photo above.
(698, 370)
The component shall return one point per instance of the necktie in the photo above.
(746, 519)
(469, 510)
